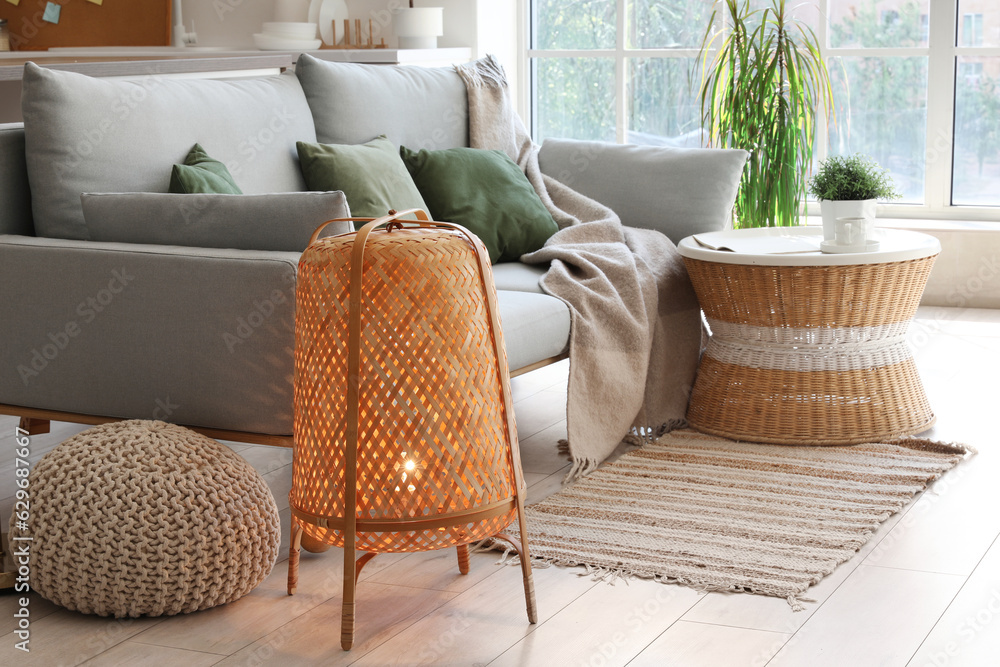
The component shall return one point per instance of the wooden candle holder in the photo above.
(361, 43)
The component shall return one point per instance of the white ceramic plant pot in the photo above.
(419, 27)
(831, 209)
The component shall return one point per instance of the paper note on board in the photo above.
(52, 12)
(96, 2)
(14, 2)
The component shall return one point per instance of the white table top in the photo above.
(799, 246)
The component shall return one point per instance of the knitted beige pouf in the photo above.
(144, 517)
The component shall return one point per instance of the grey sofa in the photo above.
(203, 336)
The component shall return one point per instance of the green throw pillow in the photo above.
(201, 174)
(371, 175)
(485, 192)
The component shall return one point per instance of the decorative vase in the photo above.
(831, 209)
(419, 27)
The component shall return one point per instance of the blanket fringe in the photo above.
(637, 437)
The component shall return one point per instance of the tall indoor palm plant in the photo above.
(764, 85)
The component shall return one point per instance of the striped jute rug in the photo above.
(714, 514)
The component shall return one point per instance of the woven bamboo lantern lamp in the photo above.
(404, 431)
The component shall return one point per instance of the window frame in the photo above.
(942, 52)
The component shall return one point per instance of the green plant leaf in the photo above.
(763, 85)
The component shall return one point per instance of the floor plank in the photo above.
(631, 616)
(687, 644)
(875, 618)
(134, 654)
(968, 634)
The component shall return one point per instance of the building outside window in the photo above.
(915, 85)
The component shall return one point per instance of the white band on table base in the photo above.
(807, 349)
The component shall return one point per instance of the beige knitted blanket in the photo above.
(635, 323)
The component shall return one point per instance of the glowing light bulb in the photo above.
(410, 465)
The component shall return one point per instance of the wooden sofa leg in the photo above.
(34, 426)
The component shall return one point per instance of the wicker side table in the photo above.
(807, 347)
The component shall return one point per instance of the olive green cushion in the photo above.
(485, 192)
(201, 174)
(371, 175)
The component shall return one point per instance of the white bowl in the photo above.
(290, 30)
(272, 43)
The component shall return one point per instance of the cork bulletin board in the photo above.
(86, 23)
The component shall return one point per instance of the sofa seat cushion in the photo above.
(535, 327)
(84, 134)
(281, 221)
(518, 277)
(421, 107)
(679, 191)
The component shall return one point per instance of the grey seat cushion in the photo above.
(535, 327)
(280, 221)
(678, 191)
(84, 134)
(518, 277)
(419, 107)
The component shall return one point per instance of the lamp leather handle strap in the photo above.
(392, 216)
(315, 234)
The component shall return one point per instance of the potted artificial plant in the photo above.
(847, 186)
(764, 84)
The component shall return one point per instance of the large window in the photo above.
(916, 85)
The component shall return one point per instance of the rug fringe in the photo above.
(935, 446)
(797, 601)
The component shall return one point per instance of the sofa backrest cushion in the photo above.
(15, 197)
(85, 134)
(280, 221)
(421, 107)
(679, 191)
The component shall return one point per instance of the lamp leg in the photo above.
(529, 582)
(293, 557)
(463, 558)
(347, 615)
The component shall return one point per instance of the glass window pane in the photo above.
(978, 23)
(582, 24)
(976, 167)
(881, 111)
(574, 98)
(878, 23)
(665, 24)
(664, 108)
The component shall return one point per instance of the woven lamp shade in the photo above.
(419, 451)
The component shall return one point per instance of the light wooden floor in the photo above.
(924, 591)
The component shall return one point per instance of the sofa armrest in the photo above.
(678, 191)
(189, 335)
